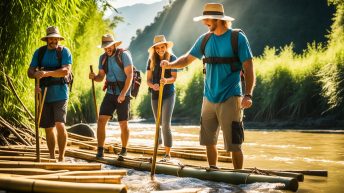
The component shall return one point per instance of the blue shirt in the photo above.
(115, 72)
(49, 60)
(220, 82)
(169, 89)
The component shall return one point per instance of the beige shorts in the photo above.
(227, 116)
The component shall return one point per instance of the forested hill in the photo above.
(265, 22)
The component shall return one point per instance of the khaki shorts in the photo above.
(227, 116)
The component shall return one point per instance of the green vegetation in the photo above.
(23, 23)
(290, 86)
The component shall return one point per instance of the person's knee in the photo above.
(124, 126)
(103, 119)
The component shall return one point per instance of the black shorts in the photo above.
(53, 112)
(110, 104)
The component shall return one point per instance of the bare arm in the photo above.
(170, 80)
(181, 62)
(129, 73)
(250, 82)
(250, 77)
(150, 81)
(61, 72)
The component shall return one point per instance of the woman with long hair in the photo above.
(162, 50)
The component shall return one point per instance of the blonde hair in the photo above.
(153, 57)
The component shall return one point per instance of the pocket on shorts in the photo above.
(237, 132)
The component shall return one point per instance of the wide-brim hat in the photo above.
(160, 39)
(213, 11)
(52, 32)
(108, 40)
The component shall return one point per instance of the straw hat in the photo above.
(108, 40)
(213, 11)
(160, 39)
(52, 32)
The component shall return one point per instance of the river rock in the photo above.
(82, 129)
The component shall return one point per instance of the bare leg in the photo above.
(238, 159)
(167, 150)
(102, 121)
(212, 155)
(50, 135)
(61, 139)
(124, 133)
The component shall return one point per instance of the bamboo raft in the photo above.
(13, 157)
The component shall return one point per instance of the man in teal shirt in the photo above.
(224, 98)
(51, 64)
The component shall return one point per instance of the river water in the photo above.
(264, 149)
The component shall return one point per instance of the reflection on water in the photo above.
(262, 149)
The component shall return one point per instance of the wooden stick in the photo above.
(8, 126)
(94, 95)
(157, 125)
(15, 93)
(37, 104)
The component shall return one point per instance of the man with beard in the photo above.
(51, 65)
(224, 98)
(116, 64)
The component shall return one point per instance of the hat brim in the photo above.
(221, 17)
(169, 45)
(108, 44)
(52, 36)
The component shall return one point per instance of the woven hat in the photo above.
(160, 39)
(213, 11)
(108, 40)
(52, 32)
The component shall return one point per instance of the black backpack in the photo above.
(234, 61)
(135, 84)
(48, 81)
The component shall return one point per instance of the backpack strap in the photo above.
(204, 42)
(59, 54)
(104, 59)
(118, 57)
(41, 52)
(234, 40)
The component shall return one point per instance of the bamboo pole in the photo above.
(30, 171)
(305, 172)
(8, 126)
(30, 185)
(79, 137)
(26, 158)
(94, 95)
(157, 125)
(114, 179)
(37, 104)
(51, 166)
(17, 96)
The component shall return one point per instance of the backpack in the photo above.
(48, 81)
(232, 61)
(135, 84)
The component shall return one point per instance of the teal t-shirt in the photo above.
(115, 72)
(220, 82)
(55, 92)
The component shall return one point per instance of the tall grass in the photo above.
(23, 23)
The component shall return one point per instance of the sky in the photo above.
(123, 3)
